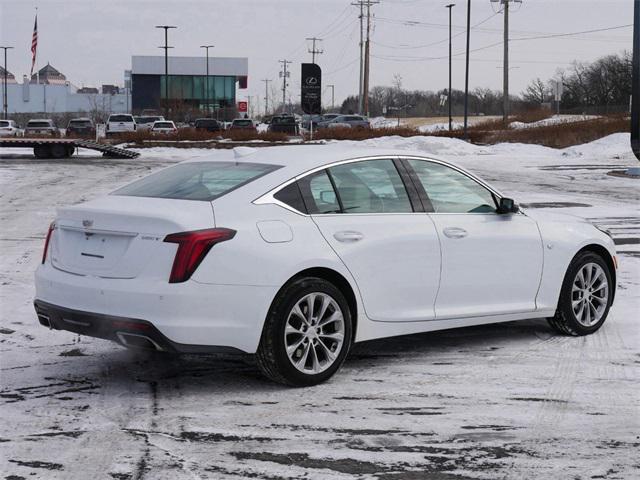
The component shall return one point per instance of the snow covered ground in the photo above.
(511, 401)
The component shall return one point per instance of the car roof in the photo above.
(40, 120)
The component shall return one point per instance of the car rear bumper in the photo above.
(129, 332)
(191, 316)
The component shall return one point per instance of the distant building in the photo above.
(10, 77)
(187, 82)
(49, 76)
(87, 90)
(110, 89)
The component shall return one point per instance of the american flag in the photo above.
(34, 44)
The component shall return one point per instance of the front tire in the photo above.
(307, 333)
(585, 297)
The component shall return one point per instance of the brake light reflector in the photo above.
(52, 227)
(192, 248)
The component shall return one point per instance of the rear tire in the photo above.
(307, 333)
(42, 151)
(585, 297)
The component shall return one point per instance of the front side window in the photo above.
(451, 191)
(371, 186)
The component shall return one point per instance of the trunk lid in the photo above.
(122, 237)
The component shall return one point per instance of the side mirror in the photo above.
(508, 205)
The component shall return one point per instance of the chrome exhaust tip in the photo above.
(135, 340)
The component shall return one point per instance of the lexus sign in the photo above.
(311, 98)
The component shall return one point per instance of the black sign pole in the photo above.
(635, 83)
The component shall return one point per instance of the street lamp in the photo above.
(166, 66)
(206, 88)
(450, 7)
(4, 92)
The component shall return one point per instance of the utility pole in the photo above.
(314, 51)
(333, 91)
(635, 85)
(450, 7)
(466, 73)
(5, 95)
(505, 88)
(360, 3)
(266, 95)
(166, 67)
(206, 88)
(284, 74)
(367, 50)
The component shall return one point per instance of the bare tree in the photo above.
(536, 92)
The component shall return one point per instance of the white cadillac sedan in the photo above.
(295, 253)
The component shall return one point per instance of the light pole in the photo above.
(206, 88)
(4, 91)
(450, 7)
(466, 73)
(333, 91)
(166, 66)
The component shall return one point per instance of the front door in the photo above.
(491, 263)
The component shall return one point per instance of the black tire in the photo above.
(565, 320)
(271, 355)
(58, 150)
(42, 151)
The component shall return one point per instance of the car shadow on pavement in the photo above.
(239, 373)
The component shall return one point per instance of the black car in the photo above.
(81, 127)
(285, 124)
(208, 124)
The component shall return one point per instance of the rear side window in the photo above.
(204, 181)
(291, 195)
(371, 186)
(318, 193)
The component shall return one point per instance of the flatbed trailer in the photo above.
(64, 147)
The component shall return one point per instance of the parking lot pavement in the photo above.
(510, 400)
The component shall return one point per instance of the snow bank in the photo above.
(554, 120)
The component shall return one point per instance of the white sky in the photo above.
(92, 42)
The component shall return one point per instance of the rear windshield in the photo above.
(4, 123)
(204, 181)
(147, 119)
(242, 123)
(206, 123)
(121, 118)
(38, 124)
(163, 125)
(283, 120)
(80, 123)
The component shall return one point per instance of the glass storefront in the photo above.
(193, 89)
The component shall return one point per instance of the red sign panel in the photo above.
(243, 107)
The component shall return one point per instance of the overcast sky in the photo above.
(92, 42)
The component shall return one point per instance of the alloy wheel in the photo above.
(314, 333)
(589, 294)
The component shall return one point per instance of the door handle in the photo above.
(348, 236)
(455, 232)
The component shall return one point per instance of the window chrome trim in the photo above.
(269, 199)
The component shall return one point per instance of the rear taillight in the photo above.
(192, 248)
(52, 227)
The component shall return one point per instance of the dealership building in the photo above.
(188, 86)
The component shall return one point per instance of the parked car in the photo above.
(120, 123)
(164, 126)
(81, 127)
(295, 253)
(41, 126)
(146, 122)
(346, 121)
(284, 124)
(208, 124)
(306, 121)
(9, 128)
(243, 124)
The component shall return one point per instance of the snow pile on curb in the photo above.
(555, 120)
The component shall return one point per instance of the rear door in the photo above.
(491, 263)
(377, 228)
